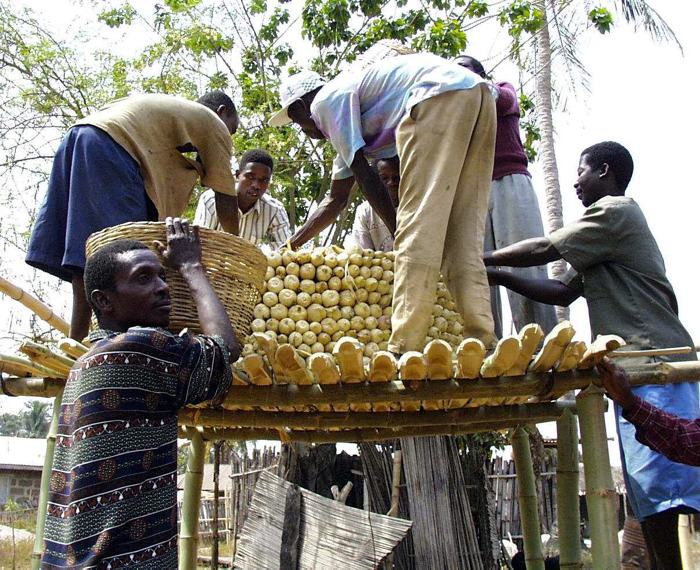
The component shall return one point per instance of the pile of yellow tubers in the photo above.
(313, 298)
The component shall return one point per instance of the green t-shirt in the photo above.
(620, 271)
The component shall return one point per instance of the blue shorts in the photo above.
(94, 184)
(655, 483)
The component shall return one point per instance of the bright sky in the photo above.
(637, 98)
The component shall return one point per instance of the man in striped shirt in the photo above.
(262, 218)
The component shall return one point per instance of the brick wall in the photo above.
(21, 486)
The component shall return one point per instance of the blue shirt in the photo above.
(361, 110)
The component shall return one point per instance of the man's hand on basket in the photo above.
(183, 248)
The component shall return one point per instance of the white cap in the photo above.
(291, 89)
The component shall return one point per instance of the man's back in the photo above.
(623, 274)
(113, 483)
(155, 130)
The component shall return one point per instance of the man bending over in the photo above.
(113, 493)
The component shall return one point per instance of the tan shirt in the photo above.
(151, 128)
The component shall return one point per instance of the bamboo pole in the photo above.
(189, 525)
(19, 366)
(37, 387)
(544, 386)
(527, 500)
(531, 413)
(41, 354)
(215, 511)
(568, 514)
(45, 484)
(350, 435)
(600, 492)
(42, 310)
(547, 386)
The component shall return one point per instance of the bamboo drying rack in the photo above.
(277, 394)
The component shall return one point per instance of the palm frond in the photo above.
(640, 13)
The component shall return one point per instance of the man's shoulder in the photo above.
(364, 210)
(135, 339)
(207, 197)
(273, 203)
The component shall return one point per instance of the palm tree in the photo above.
(557, 37)
(35, 419)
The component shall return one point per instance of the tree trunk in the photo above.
(546, 152)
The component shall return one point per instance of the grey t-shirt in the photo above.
(620, 271)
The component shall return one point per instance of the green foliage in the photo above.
(601, 18)
(118, 16)
(528, 126)
(33, 421)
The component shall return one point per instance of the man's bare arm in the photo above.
(227, 211)
(374, 190)
(549, 291)
(526, 253)
(184, 253)
(326, 213)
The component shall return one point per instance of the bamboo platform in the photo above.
(283, 394)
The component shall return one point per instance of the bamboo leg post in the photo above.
(568, 514)
(45, 484)
(189, 526)
(527, 500)
(600, 492)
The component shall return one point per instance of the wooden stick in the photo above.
(38, 550)
(351, 435)
(652, 352)
(527, 500)
(41, 354)
(600, 492)
(531, 413)
(42, 310)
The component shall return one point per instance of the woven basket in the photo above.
(235, 267)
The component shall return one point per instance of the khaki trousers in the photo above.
(446, 145)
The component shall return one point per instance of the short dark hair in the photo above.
(257, 155)
(102, 266)
(215, 99)
(616, 156)
(475, 63)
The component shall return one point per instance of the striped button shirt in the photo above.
(266, 222)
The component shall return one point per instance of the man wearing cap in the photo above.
(440, 120)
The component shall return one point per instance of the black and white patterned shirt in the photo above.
(266, 222)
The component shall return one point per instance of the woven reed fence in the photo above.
(503, 483)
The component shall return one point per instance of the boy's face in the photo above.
(253, 181)
(141, 296)
(390, 177)
(590, 186)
